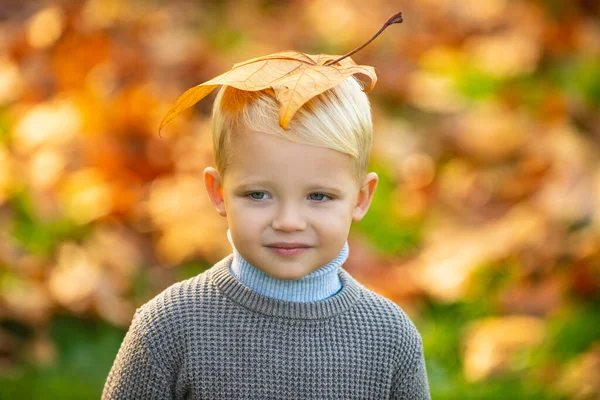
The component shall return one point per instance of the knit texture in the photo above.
(211, 337)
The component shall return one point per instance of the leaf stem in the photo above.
(394, 19)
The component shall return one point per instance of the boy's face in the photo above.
(289, 206)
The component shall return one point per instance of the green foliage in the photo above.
(506, 388)
(220, 36)
(86, 349)
(4, 131)
(142, 287)
(580, 78)
(572, 331)
(475, 85)
(190, 269)
(387, 232)
(442, 329)
(488, 280)
(226, 38)
(38, 236)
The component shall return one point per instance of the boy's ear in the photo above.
(214, 188)
(365, 195)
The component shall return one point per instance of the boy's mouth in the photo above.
(288, 249)
(283, 245)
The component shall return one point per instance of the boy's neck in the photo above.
(318, 285)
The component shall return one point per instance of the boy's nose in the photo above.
(288, 219)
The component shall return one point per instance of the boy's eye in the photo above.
(258, 195)
(318, 196)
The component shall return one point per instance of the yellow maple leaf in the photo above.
(294, 77)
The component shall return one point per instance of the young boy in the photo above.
(279, 318)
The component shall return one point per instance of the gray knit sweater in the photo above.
(211, 337)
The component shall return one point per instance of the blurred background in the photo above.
(485, 227)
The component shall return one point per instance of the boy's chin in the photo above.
(285, 272)
(286, 275)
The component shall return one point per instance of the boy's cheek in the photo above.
(245, 216)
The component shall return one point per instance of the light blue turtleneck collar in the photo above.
(317, 285)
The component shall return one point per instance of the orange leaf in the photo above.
(295, 77)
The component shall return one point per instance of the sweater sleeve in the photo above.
(135, 374)
(413, 383)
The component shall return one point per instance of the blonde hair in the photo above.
(339, 119)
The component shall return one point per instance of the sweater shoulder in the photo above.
(176, 301)
(392, 322)
(162, 320)
(383, 309)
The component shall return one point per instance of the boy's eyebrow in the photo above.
(325, 187)
(314, 187)
(251, 183)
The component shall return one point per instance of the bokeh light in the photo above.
(485, 226)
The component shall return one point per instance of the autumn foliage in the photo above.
(485, 227)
